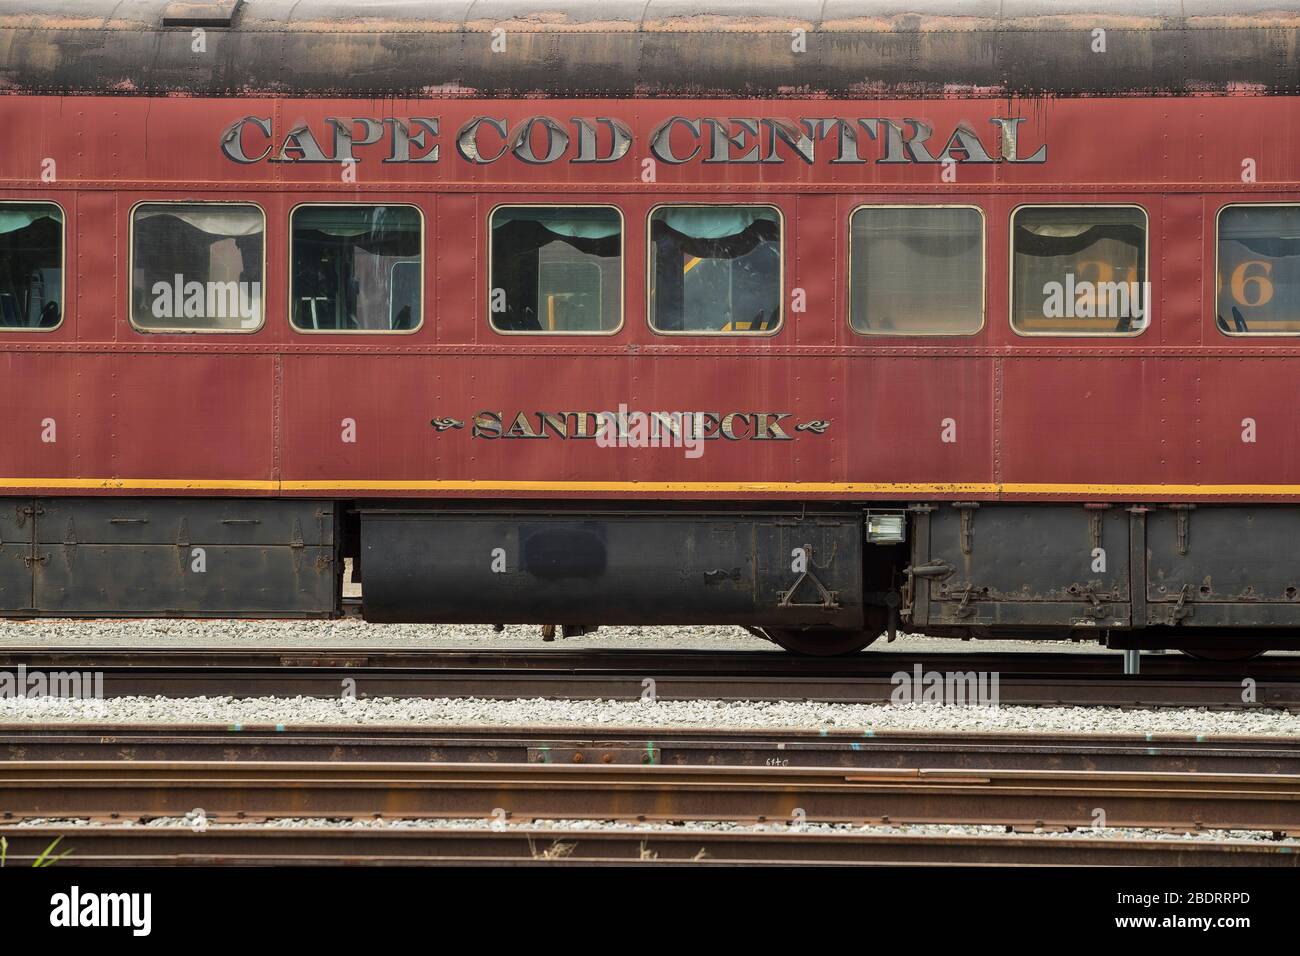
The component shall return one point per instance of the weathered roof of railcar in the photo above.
(596, 48)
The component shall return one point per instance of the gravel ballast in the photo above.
(196, 822)
(712, 714)
(354, 633)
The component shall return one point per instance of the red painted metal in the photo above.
(1164, 408)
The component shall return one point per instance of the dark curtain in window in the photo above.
(516, 247)
(673, 247)
(1030, 243)
(1274, 248)
(29, 263)
(326, 267)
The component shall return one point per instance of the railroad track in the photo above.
(250, 846)
(689, 661)
(78, 743)
(1023, 678)
(247, 780)
(257, 790)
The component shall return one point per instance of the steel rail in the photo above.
(248, 790)
(691, 661)
(252, 846)
(640, 745)
(1023, 679)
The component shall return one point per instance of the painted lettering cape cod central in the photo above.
(541, 140)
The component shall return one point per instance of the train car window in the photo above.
(556, 270)
(196, 267)
(715, 270)
(31, 266)
(916, 270)
(1259, 270)
(356, 268)
(1079, 270)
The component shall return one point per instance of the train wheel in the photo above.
(815, 643)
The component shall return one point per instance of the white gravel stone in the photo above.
(686, 826)
(354, 634)
(714, 714)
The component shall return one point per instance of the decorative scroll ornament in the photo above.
(442, 424)
(817, 427)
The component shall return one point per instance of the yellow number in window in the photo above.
(1105, 271)
(1263, 286)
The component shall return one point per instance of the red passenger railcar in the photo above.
(972, 320)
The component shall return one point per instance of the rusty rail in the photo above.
(253, 790)
(669, 747)
(621, 659)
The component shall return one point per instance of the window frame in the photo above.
(649, 271)
(622, 265)
(1011, 270)
(130, 267)
(63, 263)
(1214, 301)
(984, 273)
(289, 277)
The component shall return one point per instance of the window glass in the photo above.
(196, 267)
(556, 269)
(916, 270)
(31, 266)
(715, 269)
(1079, 270)
(356, 268)
(1259, 270)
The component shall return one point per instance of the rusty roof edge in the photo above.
(678, 26)
(644, 53)
(666, 16)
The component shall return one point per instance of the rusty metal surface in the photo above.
(199, 13)
(1015, 565)
(671, 747)
(864, 48)
(1204, 568)
(253, 790)
(1098, 568)
(550, 846)
(195, 557)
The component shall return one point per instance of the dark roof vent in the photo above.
(200, 13)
